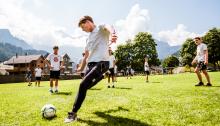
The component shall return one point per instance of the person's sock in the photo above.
(56, 87)
(51, 88)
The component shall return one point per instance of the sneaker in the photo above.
(29, 84)
(71, 117)
(56, 91)
(108, 86)
(51, 91)
(208, 84)
(200, 84)
(113, 86)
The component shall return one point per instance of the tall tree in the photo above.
(145, 45)
(188, 52)
(171, 62)
(212, 39)
(124, 55)
(133, 52)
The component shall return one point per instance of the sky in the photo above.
(45, 23)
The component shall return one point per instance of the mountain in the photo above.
(164, 49)
(7, 51)
(177, 53)
(7, 37)
(11, 45)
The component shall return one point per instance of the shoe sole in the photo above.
(72, 121)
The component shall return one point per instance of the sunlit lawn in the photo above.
(165, 100)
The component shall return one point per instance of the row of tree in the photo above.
(134, 51)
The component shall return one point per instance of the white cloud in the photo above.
(136, 21)
(36, 31)
(176, 36)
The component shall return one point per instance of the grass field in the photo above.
(166, 100)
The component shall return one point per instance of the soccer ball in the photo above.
(48, 111)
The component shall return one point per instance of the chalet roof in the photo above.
(22, 59)
(66, 55)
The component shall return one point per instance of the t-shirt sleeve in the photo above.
(48, 57)
(204, 47)
(103, 28)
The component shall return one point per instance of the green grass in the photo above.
(166, 100)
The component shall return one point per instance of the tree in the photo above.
(171, 61)
(212, 39)
(123, 55)
(133, 52)
(145, 45)
(188, 52)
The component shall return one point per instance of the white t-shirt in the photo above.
(80, 63)
(200, 56)
(111, 61)
(38, 72)
(146, 66)
(97, 44)
(55, 61)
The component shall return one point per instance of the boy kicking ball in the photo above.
(201, 60)
(97, 56)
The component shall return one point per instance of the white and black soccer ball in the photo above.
(48, 111)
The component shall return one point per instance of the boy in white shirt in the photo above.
(201, 60)
(111, 69)
(38, 74)
(55, 63)
(146, 68)
(116, 72)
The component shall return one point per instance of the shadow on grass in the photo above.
(113, 120)
(156, 82)
(62, 93)
(211, 86)
(49, 119)
(95, 89)
(123, 88)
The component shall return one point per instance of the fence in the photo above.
(21, 78)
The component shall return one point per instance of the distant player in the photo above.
(116, 72)
(201, 60)
(28, 76)
(97, 56)
(82, 74)
(129, 71)
(146, 68)
(55, 63)
(38, 74)
(111, 74)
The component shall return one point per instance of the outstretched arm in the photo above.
(112, 32)
(206, 57)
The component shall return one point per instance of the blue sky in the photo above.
(43, 22)
(197, 15)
